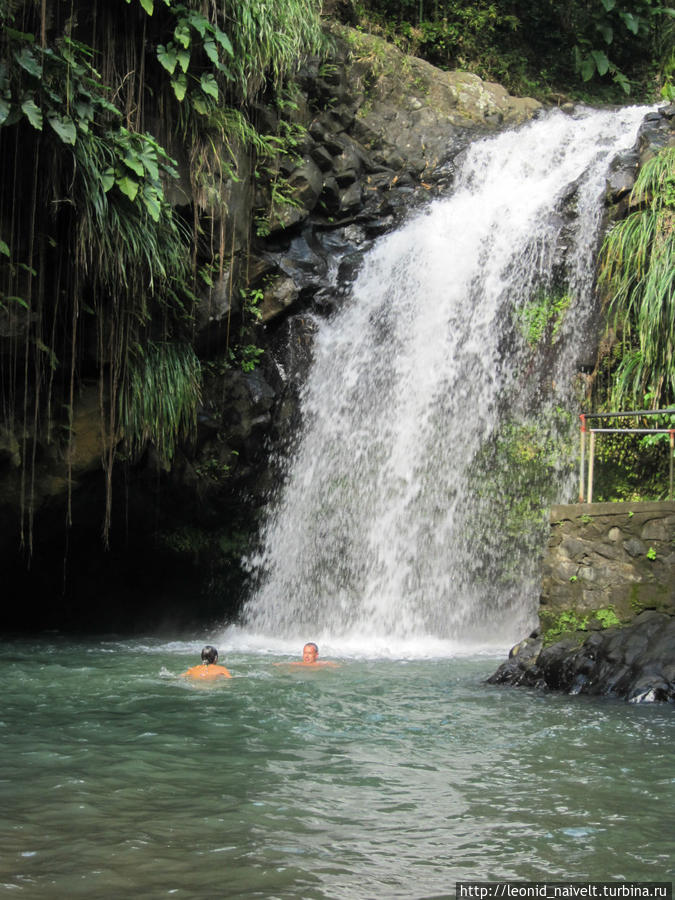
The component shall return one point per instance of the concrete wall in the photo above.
(618, 558)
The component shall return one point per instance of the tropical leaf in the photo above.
(108, 179)
(209, 85)
(179, 85)
(128, 186)
(183, 57)
(64, 127)
(133, 162)
(33, 113)
(601, 61)
(28, 61)
(168, 57)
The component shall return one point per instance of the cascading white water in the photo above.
(385, 526)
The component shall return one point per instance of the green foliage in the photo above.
(159, 402)
(543, 317)
(637, 276)
(536, 46)
(270, 39)
(571, 623)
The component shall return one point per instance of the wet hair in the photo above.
(209, 654)
(311, 644)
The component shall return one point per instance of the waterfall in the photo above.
(437, 429)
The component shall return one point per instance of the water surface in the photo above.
(386, 777)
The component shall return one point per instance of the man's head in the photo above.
(209, 654)
(310, 653)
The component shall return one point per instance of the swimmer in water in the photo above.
(208, 667)
(310, 657)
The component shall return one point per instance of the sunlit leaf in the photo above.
(128, 186)
(209, 85)
(183, 59)
(198, 22)
(151, 201)
(108, 179)
(33, 113)
(167, 57)
(224, 41)
(179, 86)
(211, 51)
(64, 127)
(134, 163)
(182, 34)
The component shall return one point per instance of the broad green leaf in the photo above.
(149, 160)
(211, 51)
(4, 248)
(224, 41)
(200, 106)
(64, 127)
(184, 59)
(33, 113)
(179, 86)
(134, 163)
(167, 57)
(631, 22)
(209, 85)
(108, 179)
(587, 68)
(4, 110)
(128, 187)
(609, 4)
(198, 22)
(182, 34)
(28, 62)
(148, 6)
(601, 61)
(607, 33)
(151, 201)
(621, 80)
(84, 109)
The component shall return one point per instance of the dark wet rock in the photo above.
(634, 662)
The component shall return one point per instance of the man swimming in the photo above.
(208, 667)
(310, 657)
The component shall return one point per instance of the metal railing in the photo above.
(593, 431)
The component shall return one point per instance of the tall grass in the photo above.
(637, 276)
(160, 398)
(270, 39)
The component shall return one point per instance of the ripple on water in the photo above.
(375, 779)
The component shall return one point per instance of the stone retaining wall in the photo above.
(615, 557)
(607, 608)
